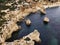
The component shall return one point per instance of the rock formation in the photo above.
(7, 30)
(46, 19)
(34, 36)
(26, 40)
(43, 11)
(28, 22)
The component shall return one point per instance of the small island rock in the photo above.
(28, 22)
(46, 19)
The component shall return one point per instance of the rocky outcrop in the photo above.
(28, 22)
(26, 40)
(43, 11)
(46, 19)
(7, 30)
(52, 5)
(11, 26)
(34, 36)
(19, 42)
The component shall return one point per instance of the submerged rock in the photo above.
(28, 22)
(26, 40)
(46, 19)
(20, 27)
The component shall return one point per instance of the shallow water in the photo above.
(50, 33)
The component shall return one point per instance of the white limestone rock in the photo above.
(28, 22)
(7, 30)
(46, 19)
(34, 36)
(43, 11)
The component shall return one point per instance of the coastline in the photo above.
(18, 16)
(57, 4)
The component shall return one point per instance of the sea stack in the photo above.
(28, 22)
(46, 19)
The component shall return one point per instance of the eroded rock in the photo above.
(7, 30)
(43, 11)
(31, 37)
(28, 22)
(46, 19)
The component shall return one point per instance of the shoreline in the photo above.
(18, 15)
(57, 4)
(26, 40)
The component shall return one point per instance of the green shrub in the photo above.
(1, 1)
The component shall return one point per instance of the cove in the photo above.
(52, 29)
